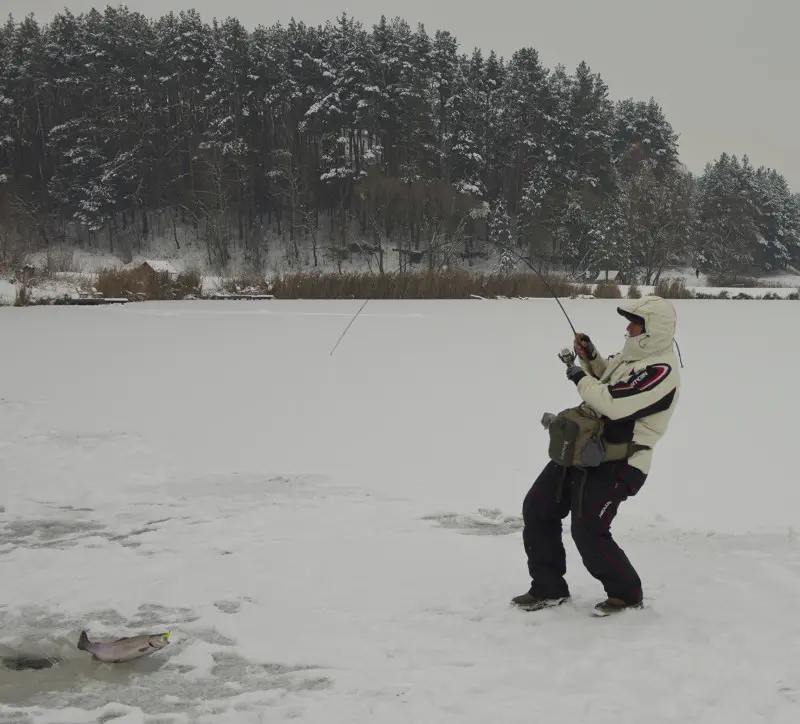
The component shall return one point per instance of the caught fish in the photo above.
(124, 649)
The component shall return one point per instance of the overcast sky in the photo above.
(725, 71)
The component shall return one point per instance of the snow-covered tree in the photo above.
(643, 135)
(778, 221)
(657, 213)
(108, 119)
(726, 212)
(500, 236)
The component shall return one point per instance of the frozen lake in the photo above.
(335, 539)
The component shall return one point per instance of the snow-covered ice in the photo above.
(335, 539)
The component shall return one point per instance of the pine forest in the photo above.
(389, 143)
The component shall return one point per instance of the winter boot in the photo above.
(614, 605)
(529, 602)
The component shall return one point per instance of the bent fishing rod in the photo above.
(546, 283)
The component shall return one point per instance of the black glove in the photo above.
(583, 341)
(575, 374)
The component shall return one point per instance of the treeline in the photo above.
(387, 142)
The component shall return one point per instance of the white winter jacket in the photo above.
(636, 390)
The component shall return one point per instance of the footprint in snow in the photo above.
(228, 606)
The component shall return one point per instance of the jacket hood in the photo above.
(660, 322)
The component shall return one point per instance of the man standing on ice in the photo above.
(634, 392)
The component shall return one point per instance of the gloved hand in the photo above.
(584, 347)
(575, 374)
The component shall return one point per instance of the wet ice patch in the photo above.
(150, 615)
(72, 509)
(212, 636)
(69, 531)
(108, 618)
(197, 672)
(60, 533)
(156, 686)
(16, 717)
(129, 539)
(487, 521)
(231, 667)
(118, 714)
(46, 533)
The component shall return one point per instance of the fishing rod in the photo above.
(565, 353)
(546, 283)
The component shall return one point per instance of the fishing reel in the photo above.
(567, 356)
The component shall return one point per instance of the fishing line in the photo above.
(348, 327)
(522, 258)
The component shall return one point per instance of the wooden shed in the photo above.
(149, 270)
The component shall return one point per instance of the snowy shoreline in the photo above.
(66, 292)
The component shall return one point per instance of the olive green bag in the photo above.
(577, 439)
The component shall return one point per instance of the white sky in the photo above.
(725, 71)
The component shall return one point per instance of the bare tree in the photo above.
(210, 210)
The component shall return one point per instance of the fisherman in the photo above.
(630, 396)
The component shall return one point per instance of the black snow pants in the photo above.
(592, 495)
